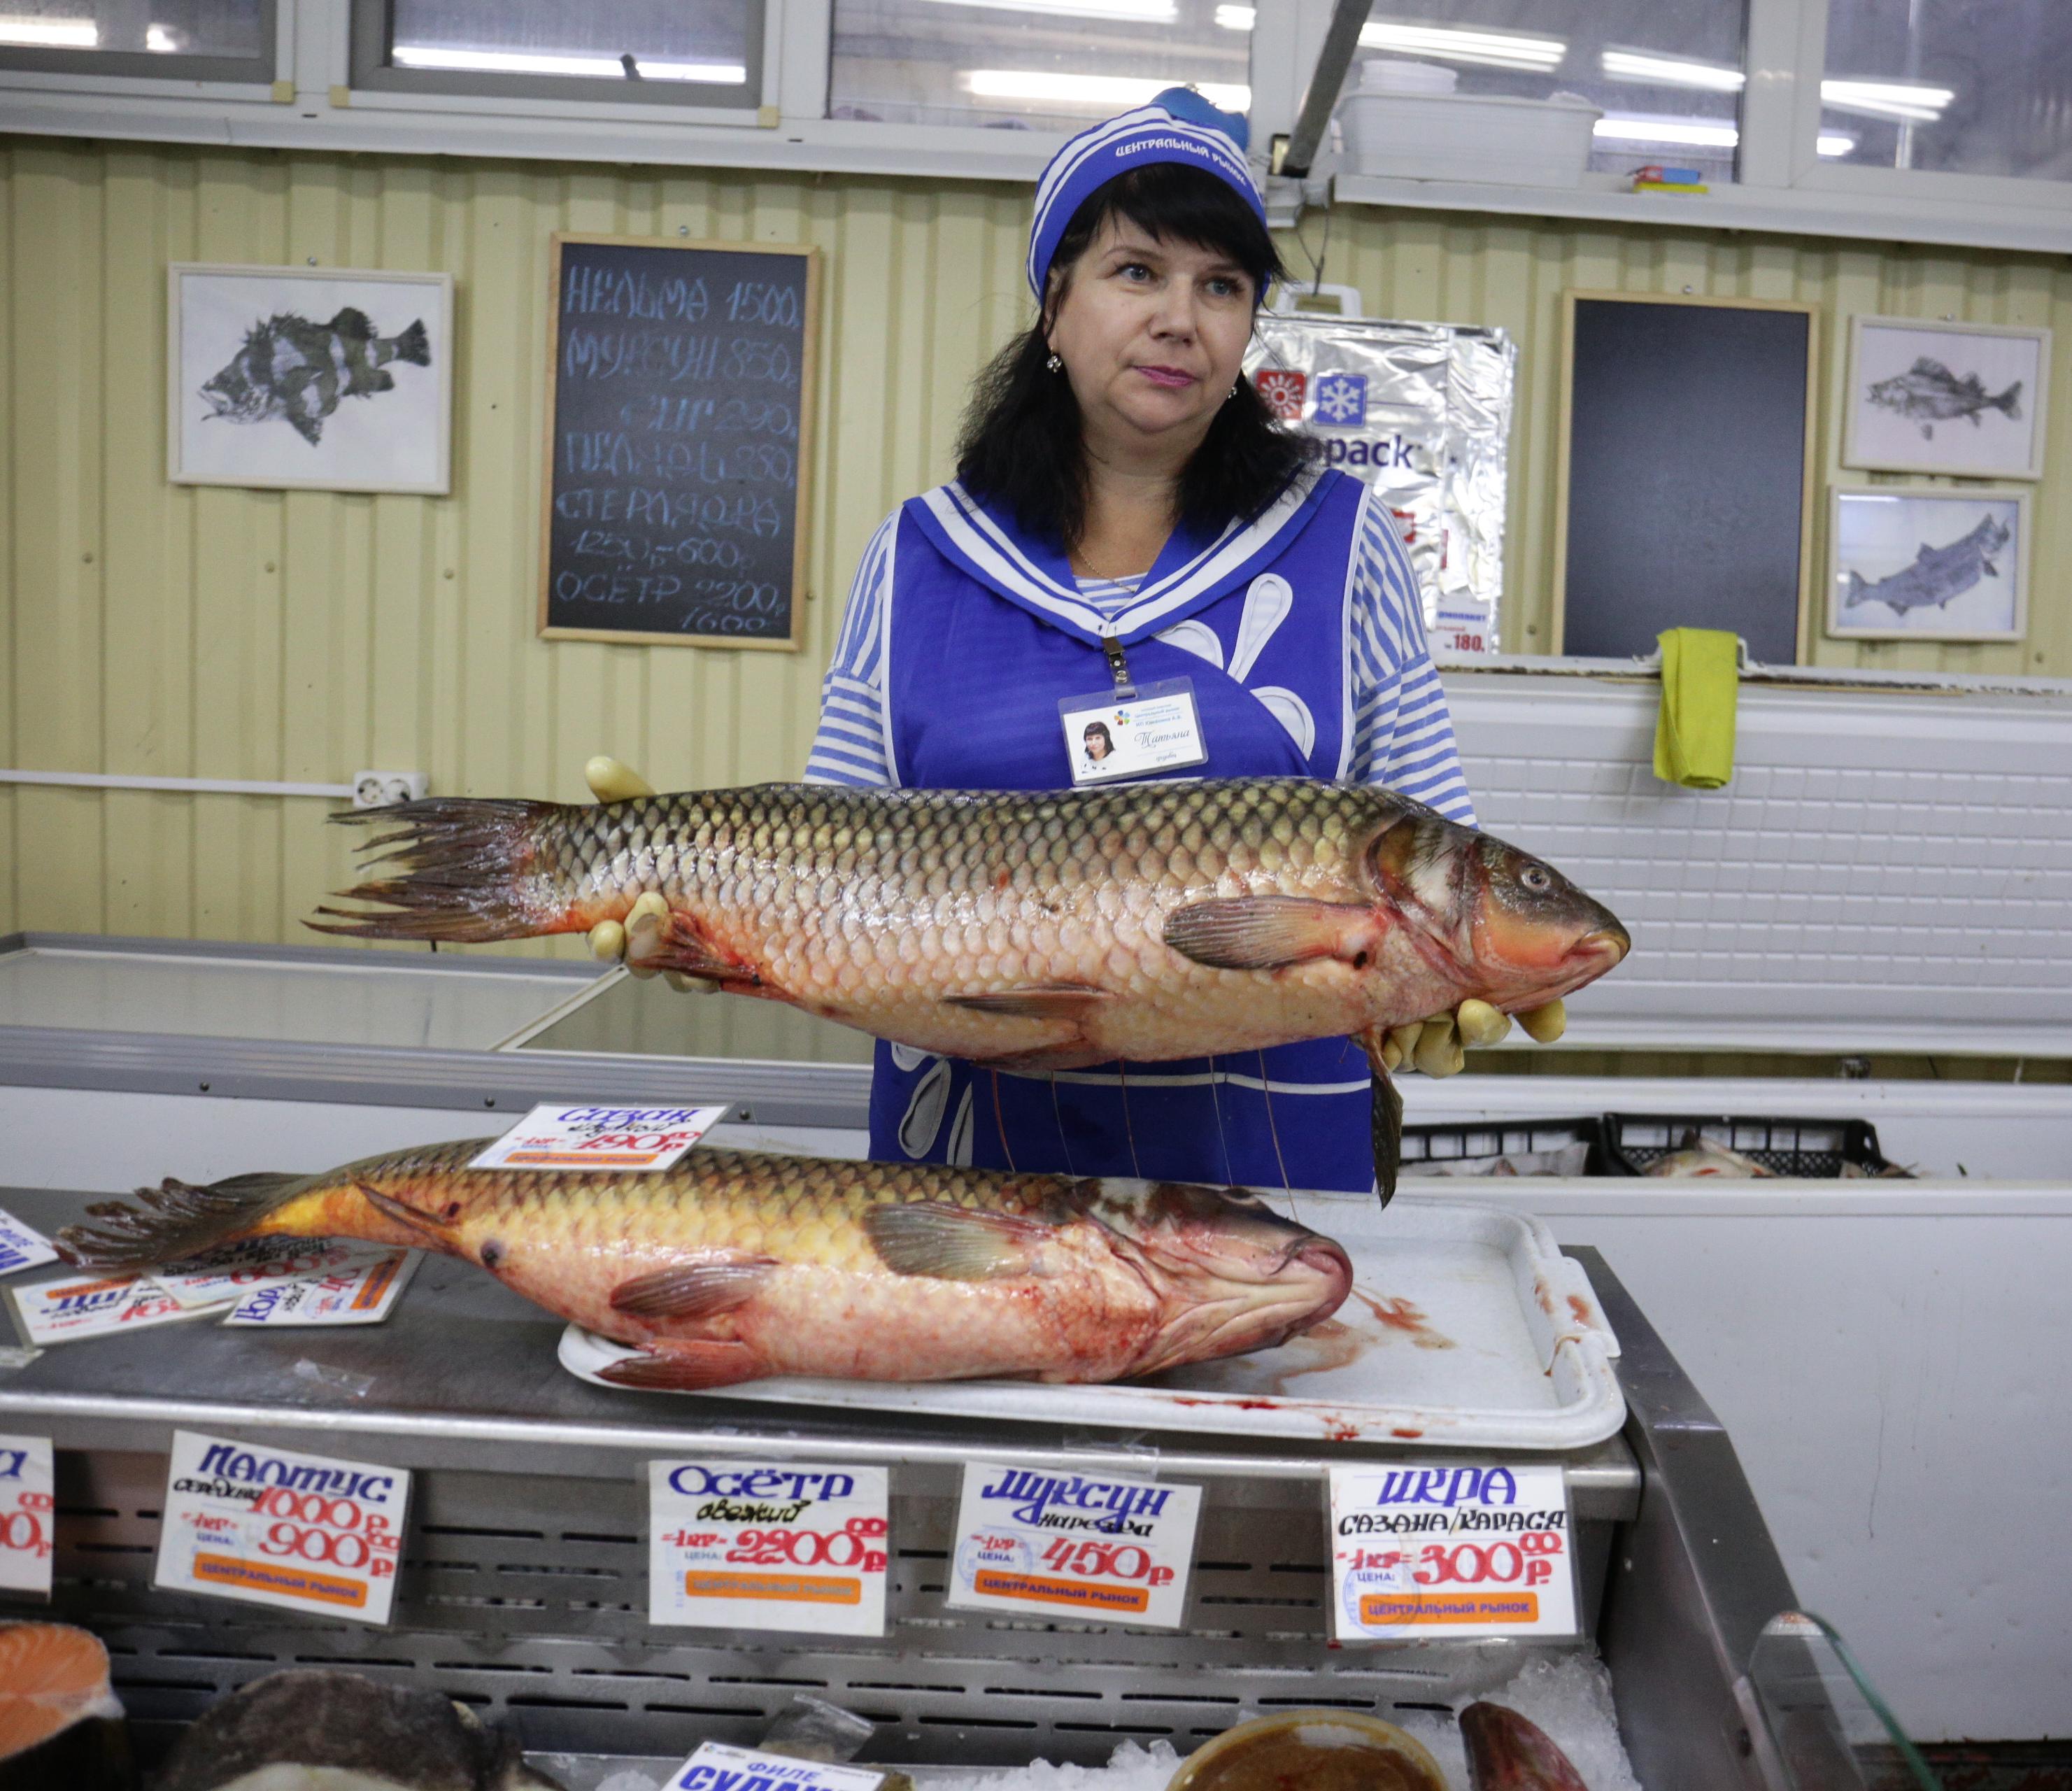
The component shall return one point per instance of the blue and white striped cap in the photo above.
(1178, 126)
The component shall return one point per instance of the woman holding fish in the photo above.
(1133, 547)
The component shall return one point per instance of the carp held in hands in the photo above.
(733, 1265)
(1028, 930)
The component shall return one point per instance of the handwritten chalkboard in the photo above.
(679, 434)
(1686, 475)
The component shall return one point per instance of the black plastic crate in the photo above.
(1811, 1148)
(1456, 1147)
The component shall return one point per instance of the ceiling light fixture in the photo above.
(1492, 49)
(1037, 84)
(1711, 77)
(1911, 102)
(1236, 18)
(50, 34)
(516, 62)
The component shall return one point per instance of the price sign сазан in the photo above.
(1031, 1539)
(1456, 1551)
(738, 1545)
(270, 1526)
(585, 1135)
(28, 1517)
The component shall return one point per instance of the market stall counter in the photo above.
(522, 1580)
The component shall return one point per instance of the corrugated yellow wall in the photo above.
(191, 631)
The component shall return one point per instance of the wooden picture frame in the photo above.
(1942, 545)
(808, 353)
(1807, 389)
(1921, 397)
(265, 390)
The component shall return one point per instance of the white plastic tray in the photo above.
(1467, 1328)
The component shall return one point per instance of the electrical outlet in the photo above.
(384, 789)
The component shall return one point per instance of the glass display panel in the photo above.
(1978, 87)
(706, 52)
(191, 39)
(1667, 74)
(1031, 65)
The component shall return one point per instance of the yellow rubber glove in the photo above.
(1439, 1046)
(645, 927)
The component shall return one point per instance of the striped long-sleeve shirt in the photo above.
(1403, 735)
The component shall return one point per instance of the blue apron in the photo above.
(985, 632)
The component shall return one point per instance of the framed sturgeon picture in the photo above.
(1907, 563)
(304, 378)
(1962, 399)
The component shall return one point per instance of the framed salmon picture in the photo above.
(1906, 563)
(308, 378)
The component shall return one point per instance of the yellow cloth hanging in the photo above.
(1694, 736)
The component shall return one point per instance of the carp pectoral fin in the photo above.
(695, 1290)
(685, 1367)
(1266, 932)
(1385, 1126)
(951, 1243)
(1067, 1001)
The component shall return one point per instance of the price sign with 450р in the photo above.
(747, 1545)
(1458, 1551)
(270, 1526)
(1035, 1539)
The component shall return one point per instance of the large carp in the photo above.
(1030, 931)
(734, 1264)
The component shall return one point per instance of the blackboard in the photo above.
(1686, 475)
(679, 437)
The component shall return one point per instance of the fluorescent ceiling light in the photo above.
(514, 62)
(1834, 143)
(162, 41)
(52, 34)
(1036, 84)
(1665, 131)
(1493, 49)
(1712, 77)
(1141, 12)
(1912, 102)
(1236, 18)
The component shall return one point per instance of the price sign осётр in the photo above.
(28, 1518)
(271, 1526)
(1455, 1551)
(743, 1545)
(1033, 1539)
(585, 1135)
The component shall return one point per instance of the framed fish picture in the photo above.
(1906, 563)
(305, 378)
(1964, 399)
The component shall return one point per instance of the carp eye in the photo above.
(1536, 877)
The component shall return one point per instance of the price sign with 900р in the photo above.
(679, 439)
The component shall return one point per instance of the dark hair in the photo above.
(1022, 446)
(1092, 728)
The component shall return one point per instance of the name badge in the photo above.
(1112, 736)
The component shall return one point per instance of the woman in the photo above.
(1128, 518)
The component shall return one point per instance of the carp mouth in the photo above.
(1230, 1307)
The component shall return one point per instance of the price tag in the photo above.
(1452, 1551)
(28, 1518)
(361, 1288)
(715, 1767)
(20, 1247)
(93, 1306)
(591, 1136)
(270, 1526)
(734, 1545)
(1031, 1540)
(229, 1273)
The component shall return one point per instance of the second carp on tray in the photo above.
(1028, 932)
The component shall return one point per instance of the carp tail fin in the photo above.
(176, 1220)
(466, 874)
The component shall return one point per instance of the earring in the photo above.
(1232, 393)
(1054, 365)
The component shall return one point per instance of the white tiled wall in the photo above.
(1884, 870)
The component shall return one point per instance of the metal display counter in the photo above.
(522, 1590)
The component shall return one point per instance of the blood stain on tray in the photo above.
(1400, 1314)
(1582, 1308)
